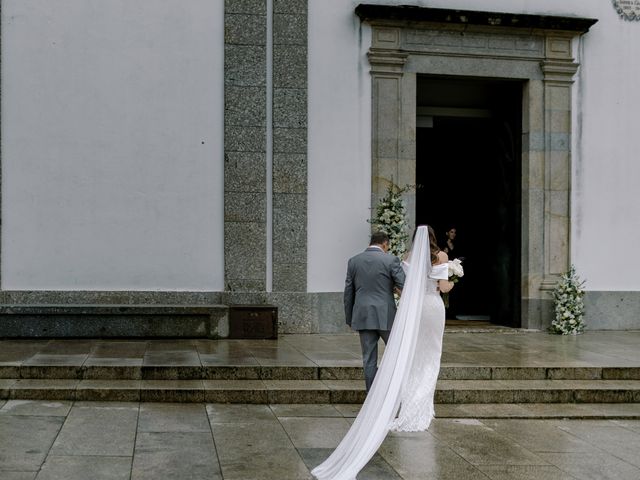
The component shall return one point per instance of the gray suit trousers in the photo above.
(369, 344)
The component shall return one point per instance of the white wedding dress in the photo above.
(401, 397)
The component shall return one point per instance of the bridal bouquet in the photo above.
(456, 272)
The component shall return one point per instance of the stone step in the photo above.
(537, 391)
(450, 392)
(538, 411)
(120, 369)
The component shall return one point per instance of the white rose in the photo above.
(455, 268)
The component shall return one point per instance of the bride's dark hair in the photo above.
(433, 242)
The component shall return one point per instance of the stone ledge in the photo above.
(103, 320)
(410, 13)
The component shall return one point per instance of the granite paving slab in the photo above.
(14, 358)
(104, 429)
(173, 345)
(86, 467)
(61, 359)
(540, 435)
(606, 436)
(19, 475)
(26, 440)
(175, 454)
(222, 348)
(348, 410)
(592, 466)
(240, 413)
(630, 424)
(171, 417)
(315, 432)
(171, 358)
(68, 347)
(524, 472)
(284, 463)
(376, 469)
(119, 349)
(236, 439)
(480, 410)
(480, 445)
(115, 363)
(40, 408)
(418, 456)
(316, 410)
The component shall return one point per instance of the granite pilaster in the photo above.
(245, 202)
(290, 162)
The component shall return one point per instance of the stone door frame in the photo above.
(539, 51)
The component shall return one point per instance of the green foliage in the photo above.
(569, 306)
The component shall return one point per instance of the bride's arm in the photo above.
(444, 286)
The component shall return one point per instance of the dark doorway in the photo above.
(468, 171)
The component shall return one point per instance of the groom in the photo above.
(368, 298)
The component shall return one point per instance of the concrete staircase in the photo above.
(478, 392)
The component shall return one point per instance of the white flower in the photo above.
(569, 307)
(455, 268)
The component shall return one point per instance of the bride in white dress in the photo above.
(401, 397)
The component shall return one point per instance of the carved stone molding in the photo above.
(386, 62)
(558, 70)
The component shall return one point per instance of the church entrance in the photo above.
(468, 172)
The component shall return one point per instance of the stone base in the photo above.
(612, 310)
(94, 321)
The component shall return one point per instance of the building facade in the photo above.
(199, 152)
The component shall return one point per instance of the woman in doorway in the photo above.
(401, 397)
(452, 249)
(450, 246)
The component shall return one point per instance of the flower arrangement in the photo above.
(391, 217)
(569, 306)
(456, 272)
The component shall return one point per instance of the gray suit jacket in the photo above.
(368, 290)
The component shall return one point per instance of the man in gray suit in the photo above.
(368, 298)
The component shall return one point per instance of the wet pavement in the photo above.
(48, 440)
(502, 347)
(69, 440)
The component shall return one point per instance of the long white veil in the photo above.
(383, 400)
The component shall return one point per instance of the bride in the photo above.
(401, 397)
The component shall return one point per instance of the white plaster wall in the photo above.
(339, 142)
(606, 227)
(606, 173)
(112, 157)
